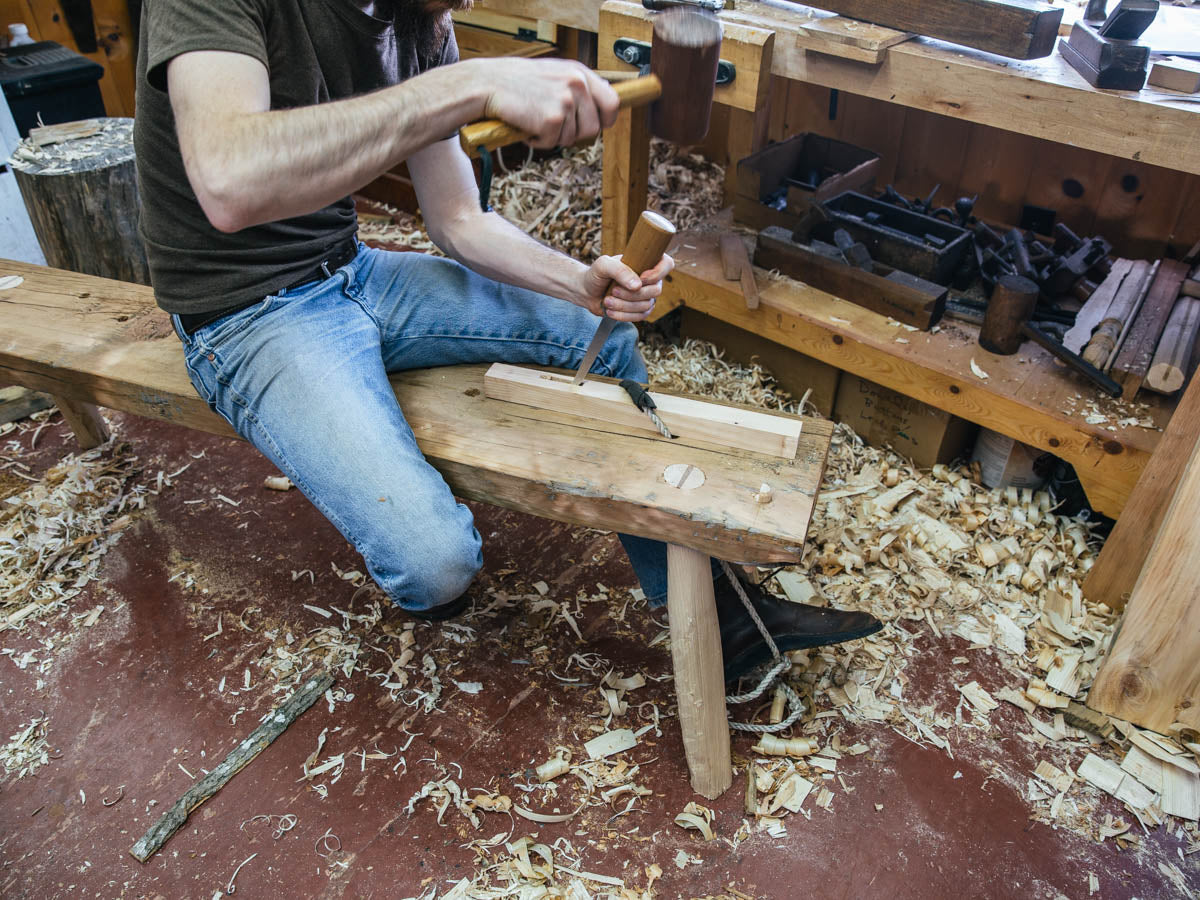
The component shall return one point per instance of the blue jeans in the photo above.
(303, 377)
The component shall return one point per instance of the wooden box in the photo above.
(883, 417)
(777, 185)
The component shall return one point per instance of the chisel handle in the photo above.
(651, 236)
(493, 133)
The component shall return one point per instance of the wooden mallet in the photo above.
(684, 54)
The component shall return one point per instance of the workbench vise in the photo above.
(1105, 50)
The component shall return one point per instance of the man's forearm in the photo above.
(255, 167)
(497, 249)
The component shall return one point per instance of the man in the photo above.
(256, 119)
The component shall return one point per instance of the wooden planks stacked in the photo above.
(1169, 368)
(1132, 360)
(1120, 326)
(1095, 310)
(1115, 319)
(1112, 579)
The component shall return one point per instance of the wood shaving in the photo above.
(557, 200)
(27, 750)
(54, 533)
(697, 817)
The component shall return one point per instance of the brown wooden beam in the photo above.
(1020, 29)
(1116, 571)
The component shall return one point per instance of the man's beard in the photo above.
(429, 23)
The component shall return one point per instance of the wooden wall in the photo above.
(1144, 210)
(114, 37)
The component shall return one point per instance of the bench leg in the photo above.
(699, 674)
(85, 420)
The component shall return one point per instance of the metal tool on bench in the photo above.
(677, 85)
(1104, 49)
(1006, 324)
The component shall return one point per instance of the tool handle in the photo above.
(651, 236)
(492, 133)
(1090, 372)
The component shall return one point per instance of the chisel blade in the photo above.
(602, 332)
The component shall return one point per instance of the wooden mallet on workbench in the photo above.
(1007, 323)
(684, 54)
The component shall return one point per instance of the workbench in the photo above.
(1027, 396)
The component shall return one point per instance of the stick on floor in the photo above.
(272, 727)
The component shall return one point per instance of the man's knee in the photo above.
(621, 355)
(437, 572)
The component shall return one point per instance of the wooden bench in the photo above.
(92, 342)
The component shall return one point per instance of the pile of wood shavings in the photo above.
(698, 367)
(531, 870)
(27, 750)
(109, 144)
(558, 199)
(1112, 413)
(403, 231)
(54, 533)
(933, 554)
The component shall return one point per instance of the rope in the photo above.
(642, 400)
(660, 425)
(795, 705)
(773, 676)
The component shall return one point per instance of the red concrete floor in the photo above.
(133, 699)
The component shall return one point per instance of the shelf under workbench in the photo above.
(1027, 396)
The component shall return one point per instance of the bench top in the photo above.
(105, 342)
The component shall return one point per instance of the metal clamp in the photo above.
(637, 53)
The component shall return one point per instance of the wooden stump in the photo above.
(79, 183)
(699, 670)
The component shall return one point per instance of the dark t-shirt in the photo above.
(315, 51)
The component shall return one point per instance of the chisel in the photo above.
(646, 246)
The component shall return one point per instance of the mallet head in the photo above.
(684, 54)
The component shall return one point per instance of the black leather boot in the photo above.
(793, 626)
(443, 612)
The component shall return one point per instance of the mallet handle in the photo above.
(493, 133)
